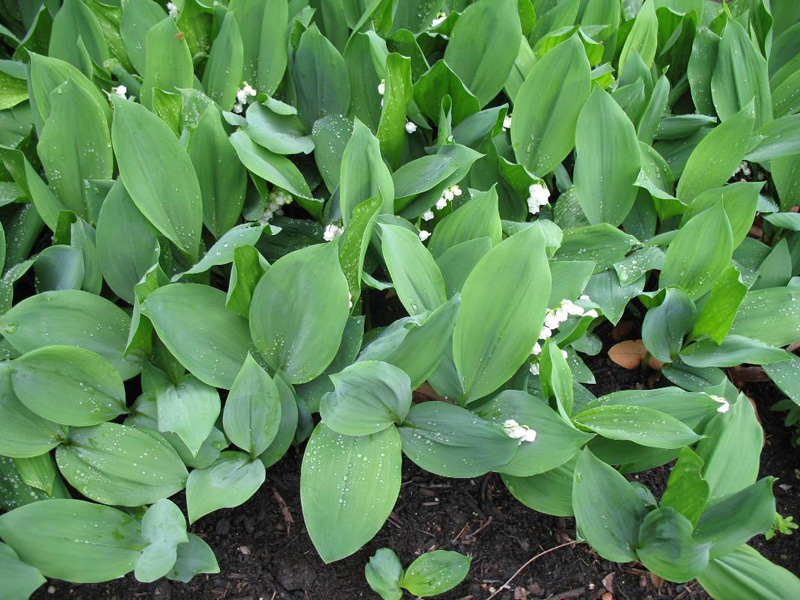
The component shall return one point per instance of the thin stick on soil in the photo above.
(527, 564)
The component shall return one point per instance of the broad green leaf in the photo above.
(74, 540)
(355, 241)
(692, 409)
(127, 244)
(59, 268)
(423, 174)
(47, 204)
(153, 165)
(368, 397)
(189, 409)
(247, 268)
(348, 488)
(771, 315)
(687, 492)
(775, 139)
(229, 482)
(435, 572)
(38, 472)
(607, 160)
(320, 78)
(222, 177)
(645, 426)
(384, 573)
(740, 201)
(23, 433)
(484, 45)
(720, 307)
(398, 93)
(740, 76)
(549, 492)
(20, 579)
(211, 341)
(556, 440)
(264, 28)
(608, 511)
(223, 251)
(330, 136)
(700, 251)
(121, 465)
(477, 218)
(74, 318)
(717, 156)
(665, 325)
(194, 558)
(731, 522)
(252, 415)
(223, 73)
(275, 168)
(731, 450)
(437, 83)
(603, 244)
(164, 528)
(299, 312)
(457, 262)
(667, 547)
(90, 390)
(732, 351)
(137, 19)
(744, 574)
(785, 375)
(288, 425)
(453, 442)
(277, 132)
(168, 62)
(490, 345)
(547, 108)
(75, 22)
(74, 145)
(643, 36)
(415, 275)
(363, 173)
(360, 54)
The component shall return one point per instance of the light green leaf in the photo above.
(687, 492)
(348, 488)
(330, 136)
(168, 62)
(20, 579)
(665, 325)
(264, 29)
(478, 218)
(549, 492)
(383, 573)
(489, 345)
(603, 244)
(744, 574)
(223, 73)
(398, 93)
(436, 572)
(164, 528)
(771, 315)
(299, 312)
(189, 409)
(229, 482)
(643, 36)
(194, 558)
(363, 173)
(288, 424)
(732, 351)
(277, 132)
(645, 426)
(355, 241)
(137, 19)
(73, 23)
(223, 251)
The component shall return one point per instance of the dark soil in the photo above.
(264, 551)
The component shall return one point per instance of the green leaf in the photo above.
(642, 425)
(745, 574)
(74, 540)
(453, 442)
(246, 271)
(687, 492)
(38, 472)
(785, 375)
(288, 424)
(229, 482)
(223, 251)
(546, 108)
(556, 440)
(355, 241)
(299, 312)
(264, 28)
(194, 558)
(277, 132)
(222, 177)
(603, 244)
(252, 415)
(734, 350)
(436, 572)
(415, 275)
(363, 173)
(330, 136)
(665, 325)
(320, 78)
(153, 165)
(348, 488)
(667, 548)
(168, 62)
(717, 156)
(74, 145)
(608, 511)
(457, 262)
(700, 251)
(398, 94)
(607, 160)
(189, 409)
(137, 19)
(383, 573)
(369, 396)
(73, 23)
(59, 268)
(549, 492)
(731, 450)
(437, 83)
(740, 76)
(489, 345)
(20, 580)
(192, 321)
(484, 45)
(164, 528)
(643, 37)
(771, 315)
(90, 389)
(477, 218)
(731, 522)
(223, 73)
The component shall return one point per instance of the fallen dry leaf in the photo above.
(628, 354)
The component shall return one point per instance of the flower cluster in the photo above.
(553, 319)
(725, 406)
(515, 431)
(172, 9)
(332, 231)
(539, 196)
(277, 200)
(243, 96)
(744, 169)
(448, 195)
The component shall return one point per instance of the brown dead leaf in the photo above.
(608, 582)
(656, 581)
(628, 354)
(621, 331)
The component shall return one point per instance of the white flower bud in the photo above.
(411, 127)
(427, 215)
(424, 235)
